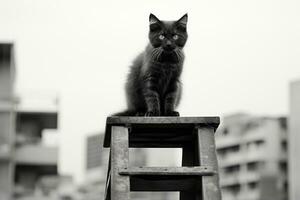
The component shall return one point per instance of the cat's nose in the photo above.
(168, 46)
(169, 43)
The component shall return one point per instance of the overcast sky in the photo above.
(241, 56)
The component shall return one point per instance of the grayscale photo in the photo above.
(149, 100)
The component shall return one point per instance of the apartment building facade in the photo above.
(294, 141)
(252, 154)
(7, 119)
(24, 159)
(34, 160)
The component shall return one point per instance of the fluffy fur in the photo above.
(153, 85)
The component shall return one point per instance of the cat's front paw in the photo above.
(172, 113)
(139, 114)
(152, 113)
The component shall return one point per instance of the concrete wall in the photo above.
(7, 118)
(294, 142)
(43, 155)
(6, 71)
(5, 148)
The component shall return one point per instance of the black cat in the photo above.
(153, 86)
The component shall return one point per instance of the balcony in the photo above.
(231, 159)
(41, 108)
(229, 196)
(36, 154)
(249, 195)
(257, 154)
(38, 102)
(230, 179)
(5, 152)
(227, 141)
(254, 136)
(7, 105)
(250, 177)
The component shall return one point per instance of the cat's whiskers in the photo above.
(179, 54)
(153, 52)
(156, 53)
(159, 53)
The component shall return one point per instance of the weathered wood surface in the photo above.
(167, 171)
(119, 159)
(207, 156)
(149, 127)
(162, 120)
(180, 183)
(168, 138)
(196, 180)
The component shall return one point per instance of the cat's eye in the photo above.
(175, 37)
(161, 37)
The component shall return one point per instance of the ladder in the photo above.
(197, 179)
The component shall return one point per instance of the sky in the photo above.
(240, 57)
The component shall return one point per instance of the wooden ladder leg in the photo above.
(120, 186)
(207, 156)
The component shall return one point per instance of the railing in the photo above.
(36, 154)
(256, 154)
(250, 177)
(228, 179)
(38, 101)
(5, 151)
(234, 158)
(227, 141)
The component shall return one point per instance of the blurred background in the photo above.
(63, 65)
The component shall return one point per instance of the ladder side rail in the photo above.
(120, 185)
(208, 157)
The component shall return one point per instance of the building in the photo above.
(294, 141)
(7, 119)
(34, 158)
(24, 157)
(96, 166)
(252, 154)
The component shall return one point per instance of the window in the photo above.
(284, 145)
(232, 169)
(253, 166)
(283, 166)
(233, 189)
(253, 185)
(225, 131)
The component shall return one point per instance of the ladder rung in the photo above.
(168, 171)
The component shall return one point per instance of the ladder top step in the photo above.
(167, 171)
(174, 124)
(162, 120)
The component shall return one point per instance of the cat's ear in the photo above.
(153, 19)
(183, 20)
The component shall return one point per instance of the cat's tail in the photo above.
(125, 113)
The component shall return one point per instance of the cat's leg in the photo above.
(140, 114)
(171, 100)
(151, 97)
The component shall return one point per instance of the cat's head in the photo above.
(169, 35)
